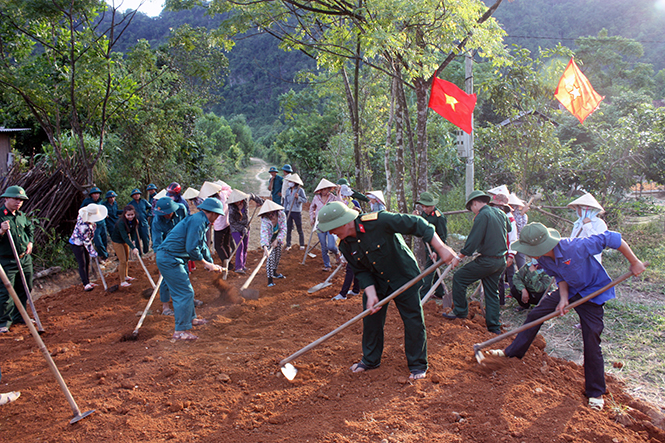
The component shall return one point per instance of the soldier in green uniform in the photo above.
(488, 236)
(14, 222)
(438, 220)
(375, 250)
(143, 213)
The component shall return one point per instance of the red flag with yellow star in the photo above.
(576, 93)
(453, 104)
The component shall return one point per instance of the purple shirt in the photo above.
(575, 264)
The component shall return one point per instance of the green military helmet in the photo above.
(15, 192)
(536, 239)
(273, 169)
(480, 195)
(335, 214)
(135, 191)
(151, 187)
(343, 181)
(165, 206)
(94, 190)
(287, 167)
(427, 199)
(111, 194)
(212, 205)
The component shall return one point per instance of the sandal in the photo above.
(129, 278)
(9, 397)
(361, 367)
(168, 311)
(496, 353)
(88, 287)
(199, 321)
(417, 374)
(596, 403)
(184, 335)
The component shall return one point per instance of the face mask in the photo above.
(291, 184)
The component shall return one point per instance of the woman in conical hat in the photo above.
(238, 204)
(376, 201)
(323, 194)
(273, 235)
(81, 240)
(293, 199)
(588, 223)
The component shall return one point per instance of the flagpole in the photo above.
(468, 138)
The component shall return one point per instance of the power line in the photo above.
(573, 39)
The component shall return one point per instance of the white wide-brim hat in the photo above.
(323, 184)
(586, 200)
(237, 196)
(378, 195)
(269, 206)
(295, 178)
(208, 189)
(503, 189)
(160, 194)
(190, 193)
(93, 213)
(514, 200)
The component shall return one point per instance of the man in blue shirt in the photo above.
(571, 262)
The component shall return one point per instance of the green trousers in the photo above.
(9, 313)
(415, 336)
(488, 270)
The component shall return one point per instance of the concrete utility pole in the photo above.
(468, 138)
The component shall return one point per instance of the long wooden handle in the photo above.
(99, 269)
(40, 343)
(551, 315)
(147, 306)
(363, 314)
(330, 277)
(438, 282)
(152, 282)
(25, 283)
(255, 271)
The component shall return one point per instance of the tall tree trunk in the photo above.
(386, 152)
(399, 153)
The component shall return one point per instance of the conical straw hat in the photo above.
(208, 189)
(190, 193)
(323, 184)
(160, 194)
(586, 200)
(237, 196)
(377, 195)
(514, 200)
(295, 178)
(503, 189)
(269, 206)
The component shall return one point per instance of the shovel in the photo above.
(101, 275)
(253, 294)
(290, 371)
(135, 333)
(326, 283)
(447, 296)
(438, 282)
(49, 360)
(477, 347)
(40, 328)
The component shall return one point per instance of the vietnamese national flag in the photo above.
(576, 93)
(453, 104)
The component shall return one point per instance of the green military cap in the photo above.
(151, 187)
(536, 239)
(212, 205)
(273, 169)
(343, 181)
(335, 214)
(427, 199)
(136, 191)
(165, 206)
(287, 167)
(94, 190)
(15, 192)
(480, 195)
(110, 194)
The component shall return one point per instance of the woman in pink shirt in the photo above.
(322, 195)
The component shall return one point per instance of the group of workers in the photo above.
(379, 262)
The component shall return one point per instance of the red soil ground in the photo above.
(227, 386)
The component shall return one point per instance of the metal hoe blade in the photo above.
(289, 371)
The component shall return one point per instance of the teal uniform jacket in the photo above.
(438, 220)
(22, 231)
(186, 241)
(112, 217)
(378, 255)
(161, 225)
(143, 210)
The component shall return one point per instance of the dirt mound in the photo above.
(227, 386)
